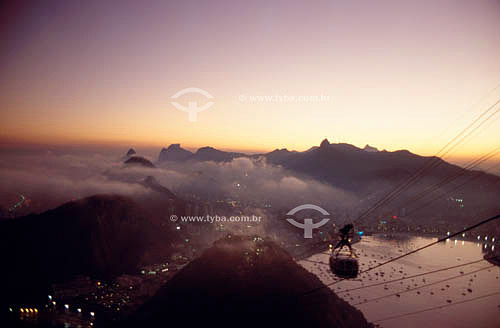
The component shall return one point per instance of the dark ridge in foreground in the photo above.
(99, 236)
(245, 282)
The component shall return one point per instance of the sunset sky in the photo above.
(398, 74)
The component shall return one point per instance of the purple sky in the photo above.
(398, 74)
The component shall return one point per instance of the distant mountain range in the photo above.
(176, 153)
(370, 173)
(339, 164)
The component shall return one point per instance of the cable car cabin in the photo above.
(344, 265)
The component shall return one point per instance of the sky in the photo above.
(393, 74)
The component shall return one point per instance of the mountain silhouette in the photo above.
(370, 174)
(99, 236)
(131, 152)
(174, 152)
(371, 149)
(245, 282)
(139, 161)
(215, 155)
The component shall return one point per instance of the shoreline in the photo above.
(318, 249)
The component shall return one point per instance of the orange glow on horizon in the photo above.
(396, 76)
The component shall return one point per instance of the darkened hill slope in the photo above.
(151, 183)
(242, 283)
(99, 236)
